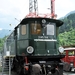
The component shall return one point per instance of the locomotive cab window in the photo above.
(36, 28)
(71, 53)
(50, 29)
(18, 33)
(23, 29)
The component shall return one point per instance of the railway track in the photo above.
(68, 73)
(65, 73)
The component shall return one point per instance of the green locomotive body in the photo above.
(32, 33)
(35, 41)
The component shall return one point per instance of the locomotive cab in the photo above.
(37, 37)
(36, 47)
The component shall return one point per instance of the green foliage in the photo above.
(67, 38)
(67, 31)
(2, 42)
(0, 68)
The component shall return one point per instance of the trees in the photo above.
(67, 31)
(67, 38)
(2, 42)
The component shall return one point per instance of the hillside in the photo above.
(72, 12)
(4, 32)
(67, 30)
(69, 23)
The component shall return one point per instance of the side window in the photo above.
(35, 28)
(18, 32)
(23, 29)
(71, 53)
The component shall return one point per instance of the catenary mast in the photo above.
(52, 8)
(33, 9)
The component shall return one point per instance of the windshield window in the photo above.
(50, 29)
(35, 28)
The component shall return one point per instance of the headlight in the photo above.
(30, 50)
(61, 49)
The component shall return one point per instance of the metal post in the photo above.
(2, 64)
(9, 66)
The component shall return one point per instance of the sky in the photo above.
(12, 11)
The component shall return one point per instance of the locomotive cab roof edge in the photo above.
(26, 20)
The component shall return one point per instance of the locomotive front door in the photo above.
(45, 47)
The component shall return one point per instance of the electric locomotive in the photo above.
(34, 47)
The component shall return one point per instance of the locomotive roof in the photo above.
(26, 20)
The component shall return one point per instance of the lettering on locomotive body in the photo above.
(46, 37)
